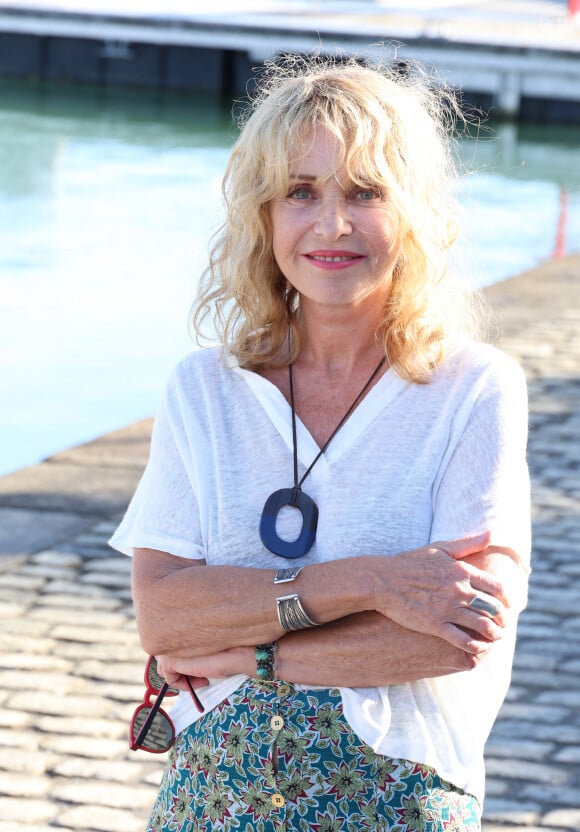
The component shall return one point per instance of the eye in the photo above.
(299, 192)
(367, 194)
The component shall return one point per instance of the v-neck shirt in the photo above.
(414, 463)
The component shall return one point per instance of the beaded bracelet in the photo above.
(266, 666)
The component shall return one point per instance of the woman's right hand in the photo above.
(429, 590)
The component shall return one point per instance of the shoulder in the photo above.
(201, 367)
(198, 380)
(479, 364)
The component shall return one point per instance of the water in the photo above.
(107, 201)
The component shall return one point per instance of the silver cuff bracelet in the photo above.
(292, 615)
(284, 576)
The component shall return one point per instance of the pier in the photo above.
(71, 668)
(521, 60)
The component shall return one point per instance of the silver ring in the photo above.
(479, 603)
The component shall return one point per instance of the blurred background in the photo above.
(115, 127)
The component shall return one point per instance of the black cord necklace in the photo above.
(295, 497)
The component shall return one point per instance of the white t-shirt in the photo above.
(414, 463)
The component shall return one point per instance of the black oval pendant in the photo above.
(296, 498)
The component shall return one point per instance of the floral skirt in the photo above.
(272, 758)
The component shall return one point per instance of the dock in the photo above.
(71, 668)
(519, 60)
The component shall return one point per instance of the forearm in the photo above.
(188, 610)
(362, 650)
(367, 650)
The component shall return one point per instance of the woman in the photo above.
(347, 616)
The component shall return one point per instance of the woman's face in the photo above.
(332, 239)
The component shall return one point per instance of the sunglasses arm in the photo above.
(194, 696)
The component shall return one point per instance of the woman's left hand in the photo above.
(200, 669)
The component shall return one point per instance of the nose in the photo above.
(333, 219)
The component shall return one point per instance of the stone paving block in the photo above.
(18, 581)
(495, 787)
(11, 610)
(15, 720)
(528, 771)
(118, 652)
(531, 679)
(122, 692)
(17, 827)
(102, 819)
(508, 827)
(103, 793)
(28, 680)
(514, 812)
(20, 597)
(536, 730)
(120, 771)
(77, 615)
(116, 563)
(566, 697)
(12, 809)
(21, 761)
(56, 557)
(534, 713)
(86, 603)
(553, 648)
(566, 818)
(515, 693)
(40, 703)
(116, 671)
(571, 754)
(93, 747)
(535, 632)
(113, 579)
(91, 635)
(155, 773)
(553, 796)
(9, 737)
(83, 726)
(73, 588)
(514, 749)
(97, 541)
(27, 644)
(526, 659)
(88, 551)
(24, 785)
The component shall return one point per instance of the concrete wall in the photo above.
(153, 66)
(503, 83)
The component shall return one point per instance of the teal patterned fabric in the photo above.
(272, 758)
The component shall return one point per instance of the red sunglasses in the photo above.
(151, 727)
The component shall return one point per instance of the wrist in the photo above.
(240, 660)
(371, 584)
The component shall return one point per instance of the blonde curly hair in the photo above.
(395, 128)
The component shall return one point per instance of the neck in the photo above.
(337, 342)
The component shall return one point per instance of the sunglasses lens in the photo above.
(153, 676)
(160, 735)
(156, 680)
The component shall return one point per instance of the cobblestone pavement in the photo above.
(71, 666)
